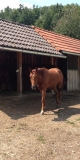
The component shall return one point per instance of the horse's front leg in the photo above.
(43, 101)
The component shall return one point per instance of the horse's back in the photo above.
(49, 78)
(56, 76)
(56, 71)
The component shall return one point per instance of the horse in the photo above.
(43, 78)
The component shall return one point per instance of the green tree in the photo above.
(14, 16)
(58, 18)
(2, 14)
(49, 16)
(36, 13)
(69, 24)
(7, 13)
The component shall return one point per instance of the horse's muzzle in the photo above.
(33, 87)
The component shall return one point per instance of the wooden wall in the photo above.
(72, 73)
(72, 80)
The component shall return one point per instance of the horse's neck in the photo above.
(39, 80)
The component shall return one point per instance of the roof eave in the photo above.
(71, 53)
(32, 52)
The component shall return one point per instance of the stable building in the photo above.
(23, 47)
(70, 47)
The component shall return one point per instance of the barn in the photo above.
(70, 47)
(23, 47)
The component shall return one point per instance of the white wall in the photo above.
(72, 80)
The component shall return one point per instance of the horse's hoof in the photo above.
(42, 112)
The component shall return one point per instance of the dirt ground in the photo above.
(27, 135)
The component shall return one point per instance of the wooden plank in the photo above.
(19, 73)
(73, 80)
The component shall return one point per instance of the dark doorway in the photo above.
(32, 61)
(62, 64)
(8, 76)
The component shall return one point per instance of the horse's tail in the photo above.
(60, 87)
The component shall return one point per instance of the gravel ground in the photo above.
(27, 135)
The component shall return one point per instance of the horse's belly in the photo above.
(52, 85)
(53, 82)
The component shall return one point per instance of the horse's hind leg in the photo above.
(60, 93)
(59, 87)
(57, 96)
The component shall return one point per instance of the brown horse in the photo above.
(44, 79)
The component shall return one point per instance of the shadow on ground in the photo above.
(18, 107)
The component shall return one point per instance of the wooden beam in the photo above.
(54, 61)
(19, 73)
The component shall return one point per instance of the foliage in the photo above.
(58, 18)
(69, 24)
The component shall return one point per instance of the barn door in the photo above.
(72, 73)
(72, 80)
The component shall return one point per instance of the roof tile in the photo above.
(60, 42)
(19, 36)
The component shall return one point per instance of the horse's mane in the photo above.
(41, 71)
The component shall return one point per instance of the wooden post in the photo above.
(19, 73)
(54, 61)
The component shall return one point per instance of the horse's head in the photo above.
(33, 78)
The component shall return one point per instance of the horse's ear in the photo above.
(36, 69)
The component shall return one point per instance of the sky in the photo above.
(29, 3)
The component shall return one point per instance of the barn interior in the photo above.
(8, 69)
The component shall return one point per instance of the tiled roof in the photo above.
(60, 42)
(17, 36)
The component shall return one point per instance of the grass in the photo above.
(22, 126)
(73, 123)
(70, 122)
(78, 119)
(41, 138)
